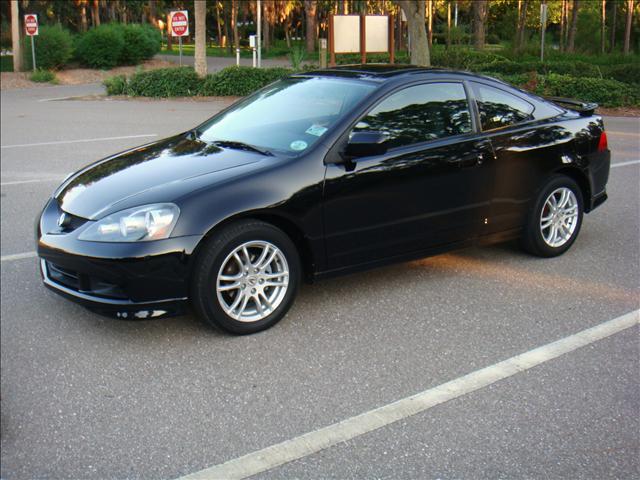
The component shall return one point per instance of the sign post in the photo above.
(252, 44)
(179, 22)
(31, 29)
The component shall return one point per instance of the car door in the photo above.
(526, 145)
(431, 187)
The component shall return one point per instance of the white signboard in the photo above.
(346, 33)
(377, 33)
(179, 23)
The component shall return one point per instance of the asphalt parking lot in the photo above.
(83, 396)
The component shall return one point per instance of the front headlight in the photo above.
(139, 224)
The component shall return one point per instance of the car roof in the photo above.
(384, 72)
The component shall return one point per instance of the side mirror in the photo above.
(365, 144)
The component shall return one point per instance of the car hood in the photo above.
(160, 171)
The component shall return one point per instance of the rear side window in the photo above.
(498, 108)
(419, 114)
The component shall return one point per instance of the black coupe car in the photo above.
(318, 174)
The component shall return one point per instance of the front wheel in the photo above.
(246, 278)
(555, 219)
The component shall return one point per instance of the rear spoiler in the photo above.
(586, 109)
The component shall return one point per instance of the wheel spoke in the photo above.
(267, 262)
(546, 224)
(231, 286)
(263, 255)
(265, 300)
(230, 278)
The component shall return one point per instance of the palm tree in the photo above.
(310, 7)
(201, 37)
(480, 10)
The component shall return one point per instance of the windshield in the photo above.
(288, 116)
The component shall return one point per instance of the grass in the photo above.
(6, 63)
(280, 49)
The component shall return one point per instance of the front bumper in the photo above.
(125, 280)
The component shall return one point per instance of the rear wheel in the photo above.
(554, 222)
(246, 277)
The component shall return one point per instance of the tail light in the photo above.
(602, 143)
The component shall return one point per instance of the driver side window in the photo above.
(419, 114)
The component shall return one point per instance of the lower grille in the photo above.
(83, 283)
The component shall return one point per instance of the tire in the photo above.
(567, 220)
(269, 280)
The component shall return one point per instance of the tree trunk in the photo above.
(627, 31)
(414, 10)
(112, 10)
(84, 25)
(234, 23)
(153, 8)
(571, 41)
(522, 23)
(612, 35)
(219, 25)
(95, 13)
(310, 7)
(448, 23)
(479, 19)
(603, 24)
(430, 22)
(266, 34)
(562, 24)
(15, 36)
(169, 36)
(200, 56)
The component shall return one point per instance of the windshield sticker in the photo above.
(298, 145)
(316, 130)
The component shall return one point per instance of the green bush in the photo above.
(43, 76)
(627, 73)
(605, 92)
(101, 47)
(564, 67)
(240, 81)
(141, 42)
(117, 85)
(165, 82)
(53, 45)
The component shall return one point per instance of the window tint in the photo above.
(499, 108)
(420, 113)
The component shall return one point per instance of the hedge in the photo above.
(164, 82)
(240, 81)
(53, 45)
(183, 81)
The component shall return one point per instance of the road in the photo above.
(218, 63)
(89, 397)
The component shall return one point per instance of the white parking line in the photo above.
(313, 442)
(17, 256)
(63, 142)
(624, 164)
(20, 182)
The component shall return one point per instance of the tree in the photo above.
(571, 40)
(522, 23)
(15, 36)
(414, 10)
(95, 13)
(201, 37)
(310, 8)
(603, 24)
(612, 38)
(627, 31)
(480, 11)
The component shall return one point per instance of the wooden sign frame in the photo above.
(363, 36)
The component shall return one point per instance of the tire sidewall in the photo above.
(533, 228)
(206, 288)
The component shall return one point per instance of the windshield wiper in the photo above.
(241, 146)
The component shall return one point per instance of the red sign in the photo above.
(179, 22)
(31, 24)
